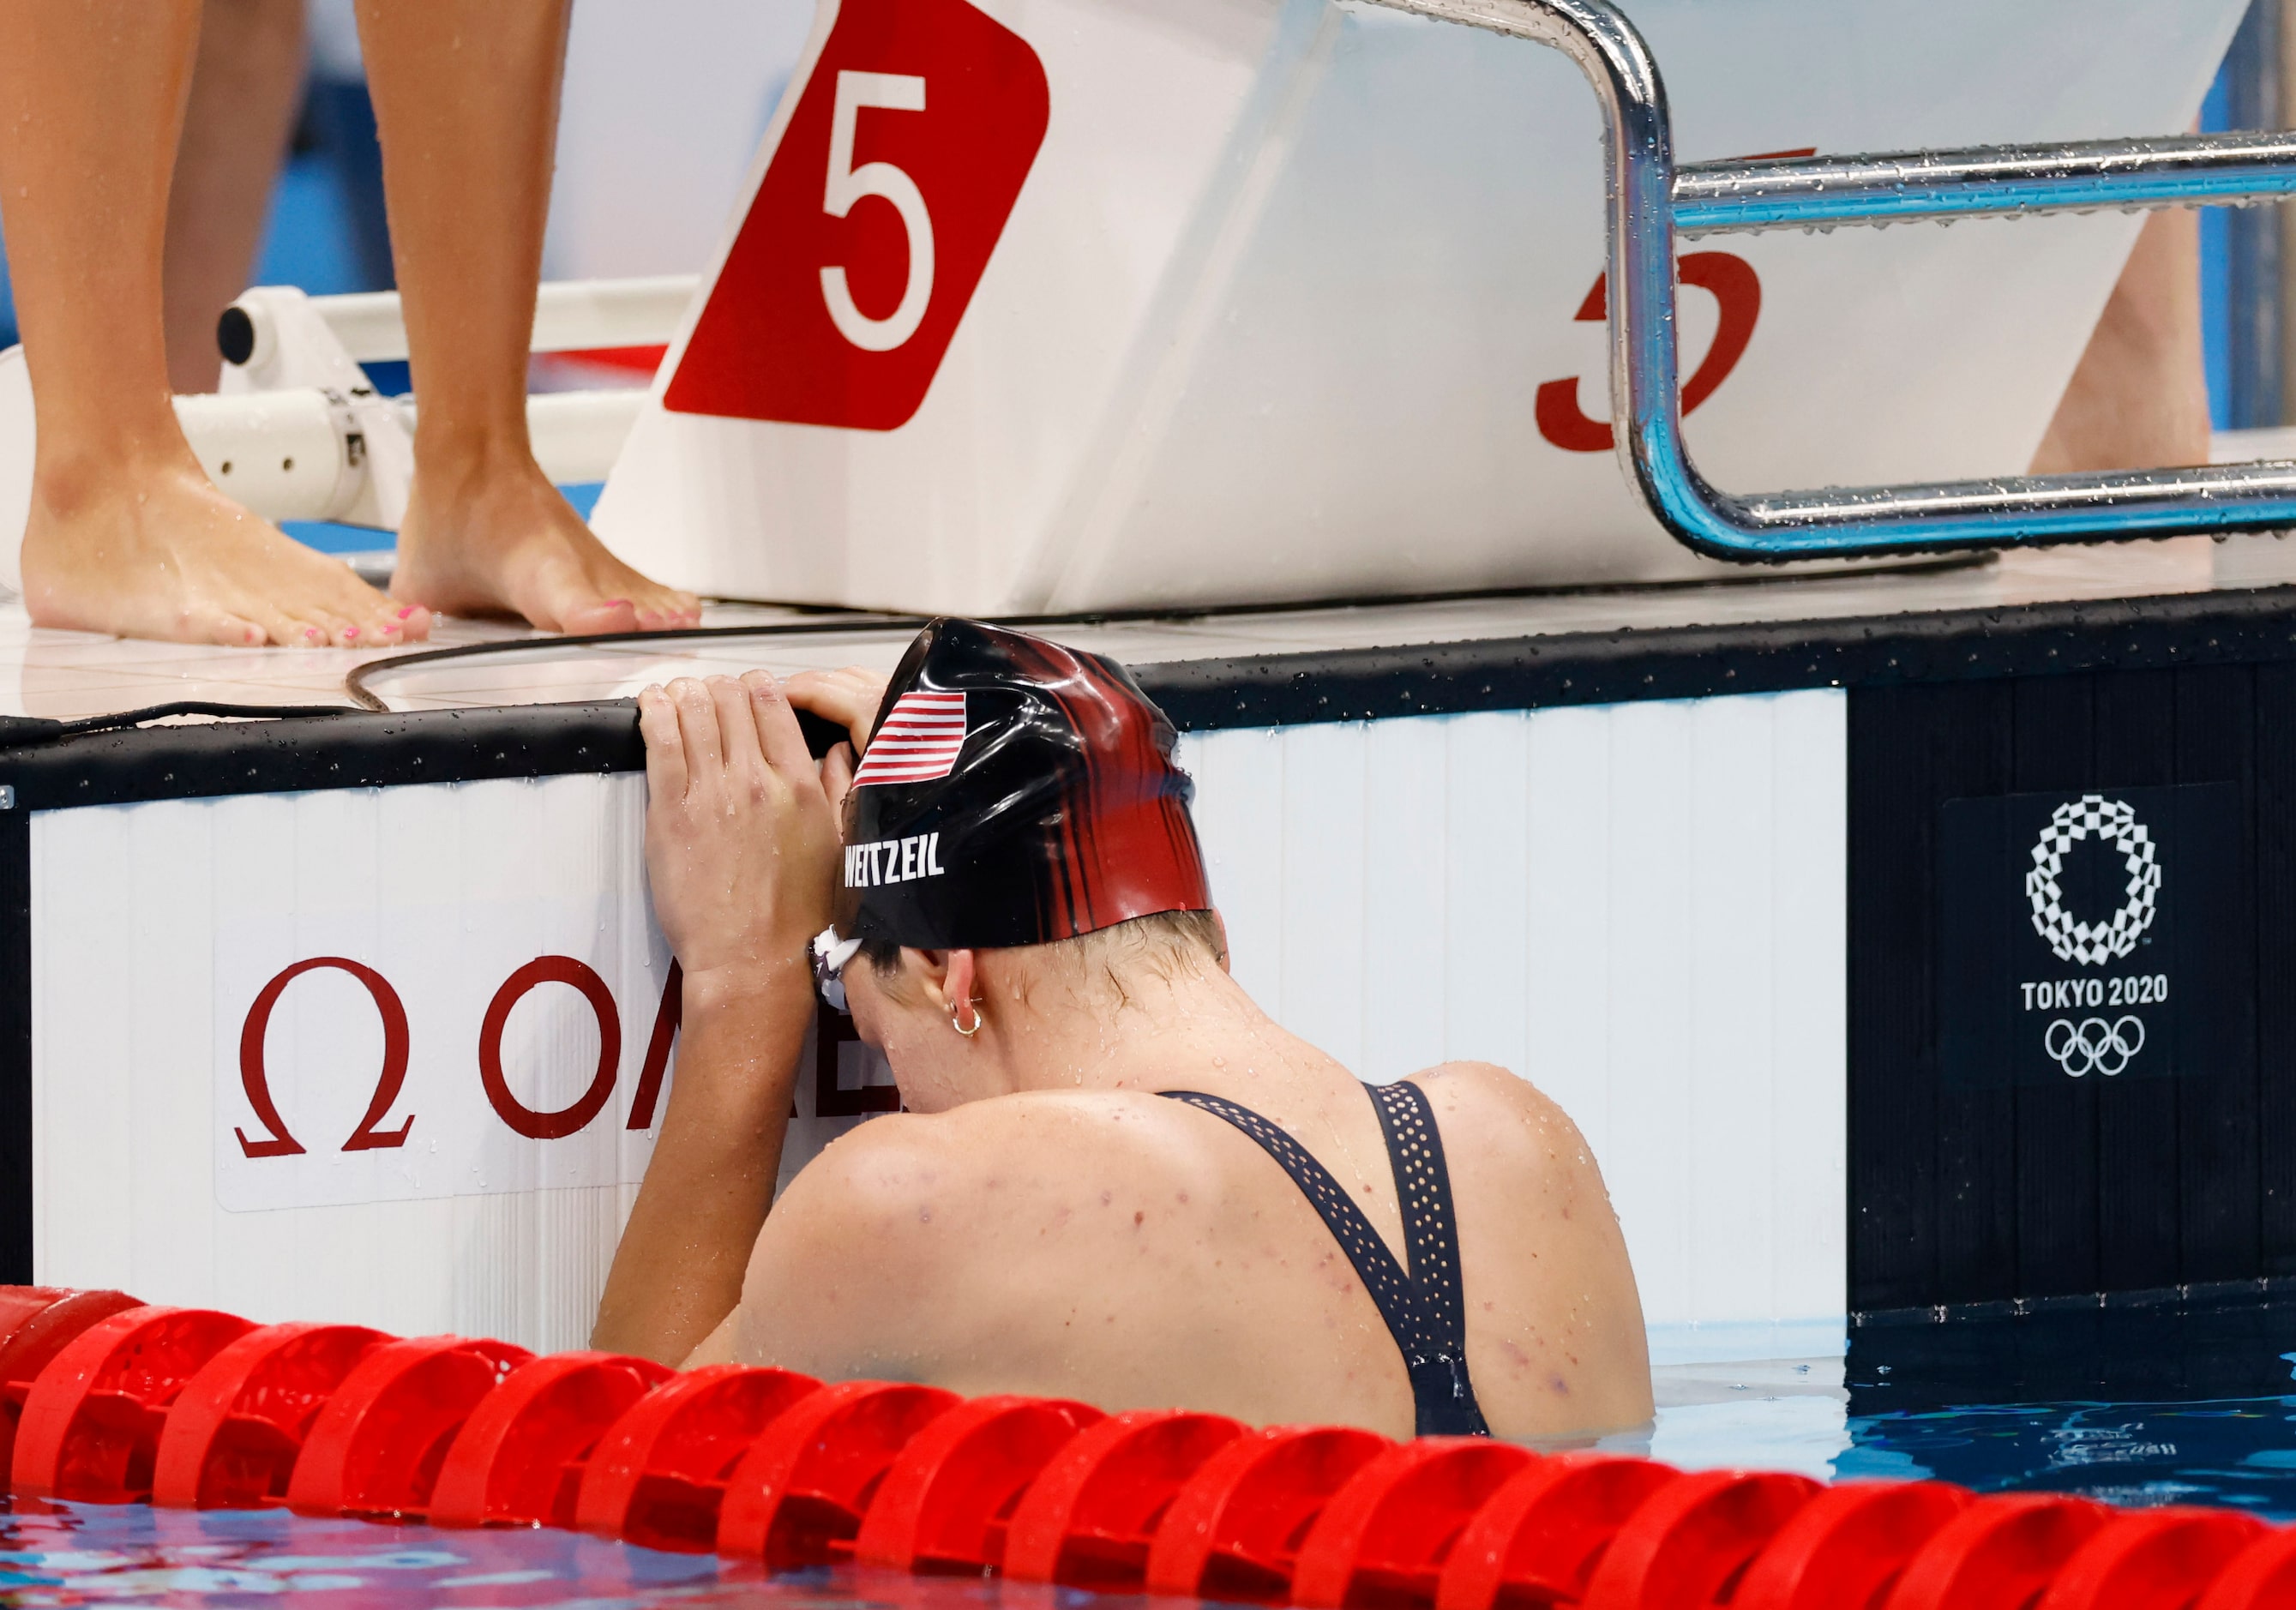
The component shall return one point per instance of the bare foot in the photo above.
(501, 540)
(162, 553)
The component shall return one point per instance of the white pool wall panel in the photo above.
(140, 912)
(1639, 907)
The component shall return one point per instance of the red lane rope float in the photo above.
(200, 1408)
(1848, 1545)
(376, 1449)
(946, 1502)
(1381, 1540)
(2262, 1577)
(658, 1477)
(1089, 1518)
(1689, 1545)
(238, 1425)
(519, 1459)
(1998, 1554)
(2155, 1559)
(90, 1424)
(36, 1323)
(798, 1496)
(1537, 1539)
(1235, 1529)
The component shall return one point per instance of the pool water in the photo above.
(92, 1554)
(2143, 1402)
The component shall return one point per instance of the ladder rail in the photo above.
(570, 316)
(1997, 181)
(1641, 192)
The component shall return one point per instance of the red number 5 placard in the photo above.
(874, 223)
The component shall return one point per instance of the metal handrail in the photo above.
(1989, 181)
(1647, 201)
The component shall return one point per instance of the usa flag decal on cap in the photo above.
(918, 742)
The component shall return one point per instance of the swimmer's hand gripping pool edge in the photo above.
(742, 852)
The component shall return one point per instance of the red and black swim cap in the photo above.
(1013, 793)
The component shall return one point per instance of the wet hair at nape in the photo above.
(1157, 941)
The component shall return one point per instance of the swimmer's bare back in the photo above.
(1140, 1253)
(1046, 1223)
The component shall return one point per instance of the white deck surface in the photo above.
(71, 674)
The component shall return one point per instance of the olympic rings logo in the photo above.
(2095, 1046)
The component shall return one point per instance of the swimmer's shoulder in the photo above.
(904, 1172)
(1028, 1140)
(1486, 1090)
(865, 1256)
(1485, 1111)
(892, 1248)
(1541, 1256)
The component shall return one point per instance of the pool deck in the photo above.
(74, 675)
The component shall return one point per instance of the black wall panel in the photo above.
(2275, 868)
(1963, 1194)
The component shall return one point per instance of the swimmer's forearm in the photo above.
(678, 1270)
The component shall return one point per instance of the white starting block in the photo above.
(1064, 307)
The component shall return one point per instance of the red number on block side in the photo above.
(1735, 287)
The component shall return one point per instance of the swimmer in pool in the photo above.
(1117, 1179)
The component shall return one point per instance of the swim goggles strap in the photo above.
(830, 955)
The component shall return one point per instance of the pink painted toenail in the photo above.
(350, 631)
(406, 611)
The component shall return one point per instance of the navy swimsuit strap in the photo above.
(1423, 1309)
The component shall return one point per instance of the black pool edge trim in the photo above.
(2202, 1294)
(361, 750)
(1698, 661)
(348, 749)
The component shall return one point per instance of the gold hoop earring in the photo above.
(959, 1027)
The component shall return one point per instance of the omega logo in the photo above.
(396, 1039)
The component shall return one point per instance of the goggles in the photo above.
(830, 954)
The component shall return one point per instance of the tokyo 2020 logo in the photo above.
(2093, 944)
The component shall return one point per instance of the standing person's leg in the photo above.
(244, 92)
(126, 534)
(466, 98)
(2139, 399)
